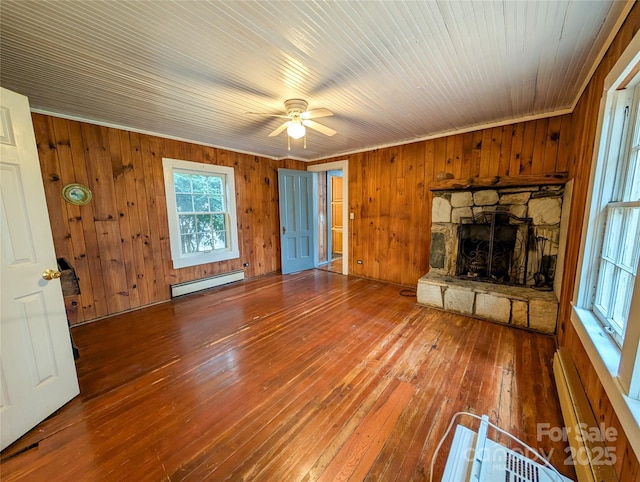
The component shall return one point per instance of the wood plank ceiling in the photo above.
(392, 72)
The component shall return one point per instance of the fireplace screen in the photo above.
(493, 246)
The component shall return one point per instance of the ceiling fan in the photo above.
(298, 119)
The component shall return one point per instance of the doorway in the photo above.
(334, 221)
(333, 215)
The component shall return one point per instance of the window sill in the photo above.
(605, 358)
(205, 258)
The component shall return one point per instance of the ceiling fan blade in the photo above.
(314, 114)
(265, 114)
(327, 131)
(280, 129)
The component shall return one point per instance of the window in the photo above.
(201, 212)
(618, 258)
(606, 311)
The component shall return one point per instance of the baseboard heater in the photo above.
(204, 283)
(591, 459)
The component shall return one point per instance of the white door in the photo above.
(37, 370)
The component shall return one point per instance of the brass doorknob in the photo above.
(50, 274)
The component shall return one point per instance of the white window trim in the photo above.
(192, 259)
(615, 368)
(611, 187)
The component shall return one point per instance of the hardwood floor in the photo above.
(335, 266)
(312, 376)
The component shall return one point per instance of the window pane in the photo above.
(631, 182)
(620, 308)
(204, 242)
(188, 243)
(219, 239)
(635, 137)
(631, 242)
(200, 203)
(605, 288)
(219, 233)
(218, 222)
(613, 234)
(199, 183)
(214, 185)
(187, 224)
(633, 177)
(184, 203)
(182, 182)
(216, 204)
(204, 223)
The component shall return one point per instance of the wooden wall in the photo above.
(389, 188)
(119, 243)
(585, 118)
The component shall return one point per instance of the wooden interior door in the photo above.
(298, 222)
(37, 369)
(336, 214)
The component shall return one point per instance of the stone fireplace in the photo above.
(496, 254)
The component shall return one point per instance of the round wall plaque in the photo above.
(77, 194)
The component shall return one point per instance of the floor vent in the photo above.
(205, 283)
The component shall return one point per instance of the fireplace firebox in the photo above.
(493, 246)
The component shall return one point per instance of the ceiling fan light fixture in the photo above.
(298, 119)
(296, 130)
